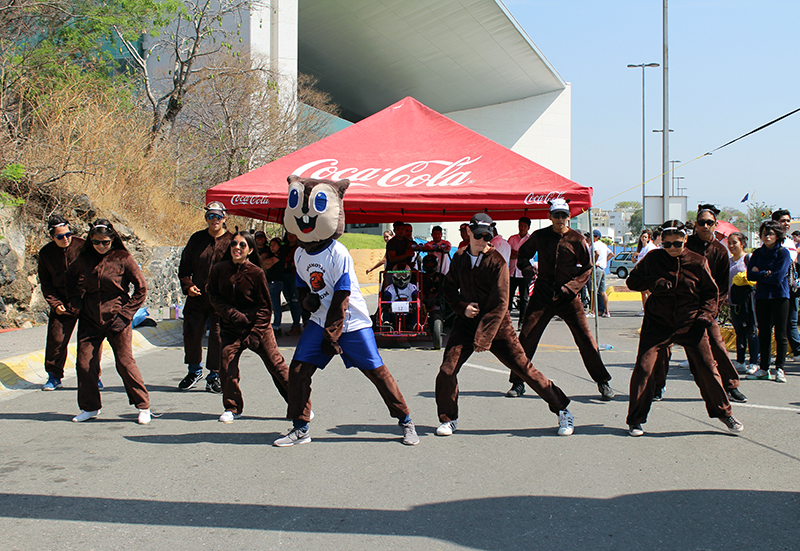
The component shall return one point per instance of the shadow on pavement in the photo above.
(668, 520)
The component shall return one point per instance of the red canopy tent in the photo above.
(408, 162)
(724, 229)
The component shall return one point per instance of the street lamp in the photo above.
(677, 184)
(672, 172)
(642, 66)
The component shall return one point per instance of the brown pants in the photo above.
(195, 314)
(507, 348)
(267, 350)
(539, 314)
(652, 342)
(90, 347)
(59, 331)
(300, 374)
(730, 378)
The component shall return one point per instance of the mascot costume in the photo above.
(328, 288)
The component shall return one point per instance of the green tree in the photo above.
(625, 205)
(636, 222)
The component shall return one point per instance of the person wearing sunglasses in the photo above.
(565, 266)
(680, 310)
(204, 249)
(54, 261)
(98, 282)
(238, 291)
(477, 289)
(704, 242)
(769, 268)
(784, 218)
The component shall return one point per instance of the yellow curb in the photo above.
(623, 296)
(27, 370)
(368, 290)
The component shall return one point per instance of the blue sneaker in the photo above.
(52, 384)
(100, 384)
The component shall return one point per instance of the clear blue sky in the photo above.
(733, 66)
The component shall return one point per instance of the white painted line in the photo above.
(777, 408)
(493, 370)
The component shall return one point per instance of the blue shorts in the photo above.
(358, 348)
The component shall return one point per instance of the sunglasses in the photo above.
(213, 216)
(706, 222)
(101, 242)
(238, 244)
(670, 244)
(559, 214)
(484, 236)
(63, 236)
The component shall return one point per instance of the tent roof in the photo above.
(408, 162)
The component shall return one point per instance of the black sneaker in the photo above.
(659, 395)
(214, 385)
(606, 394)
(516, 391)
(736, 396)
(190, 380)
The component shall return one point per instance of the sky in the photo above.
(733, 66)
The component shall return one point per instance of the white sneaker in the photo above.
(447, 428)
(641, 314)
(751, 369)
(566, 423)
(85, 416)
(144, 416)
(295, 436)
(780, 376)
(229, 416)
(684, 364)
(763, 374)
(590, 314)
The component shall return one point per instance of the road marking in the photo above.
(777, 408)
(493, 370)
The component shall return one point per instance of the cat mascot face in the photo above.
(315, 211)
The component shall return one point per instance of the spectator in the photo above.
(387, 235)
(768, 267)
(501, 245)
(741, 301)
(398, 249)
(463, 229)
(518, 281)
(784, 218)
(601, 254)
(290, 245)
(439, 249)
(644, 246)
(273, 261)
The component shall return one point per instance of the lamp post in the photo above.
(642, 66)
(672, 172)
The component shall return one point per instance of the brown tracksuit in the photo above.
(240, 297)
(486, 284)
(565, 266)
(99, 286)
(53, 265)
(680, 309)
(202, 251)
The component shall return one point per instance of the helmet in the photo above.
(429, 264)
(403, 278)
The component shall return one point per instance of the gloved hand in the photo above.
(311, 302)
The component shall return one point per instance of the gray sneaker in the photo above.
(516, 391)
(733, 424)
(606, 393)
(295, 436)
(410, 437)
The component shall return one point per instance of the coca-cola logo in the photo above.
(429, 173)
(543, 199)
(249, 200)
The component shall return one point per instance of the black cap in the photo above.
(481, 223)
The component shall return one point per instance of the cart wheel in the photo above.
(437, 334)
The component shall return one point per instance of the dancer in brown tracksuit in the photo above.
(54, 261)
(237, 289)
(680, 309)
(477, 289)
(98, 284)
(204, 249)
(704, 242)
(565, 266)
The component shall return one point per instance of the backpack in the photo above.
(794, 282)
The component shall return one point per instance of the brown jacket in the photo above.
(239, 294)
(99, 286)
(53, 265)
(718, 261)
(201, 253)
(683, 290)
(564, 262)
(487, 284)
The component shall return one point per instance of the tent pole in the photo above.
(593, 288)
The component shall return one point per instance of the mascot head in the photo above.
(315, 211)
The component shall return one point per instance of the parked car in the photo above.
(621, 264)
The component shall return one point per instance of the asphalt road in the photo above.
(504, 480)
